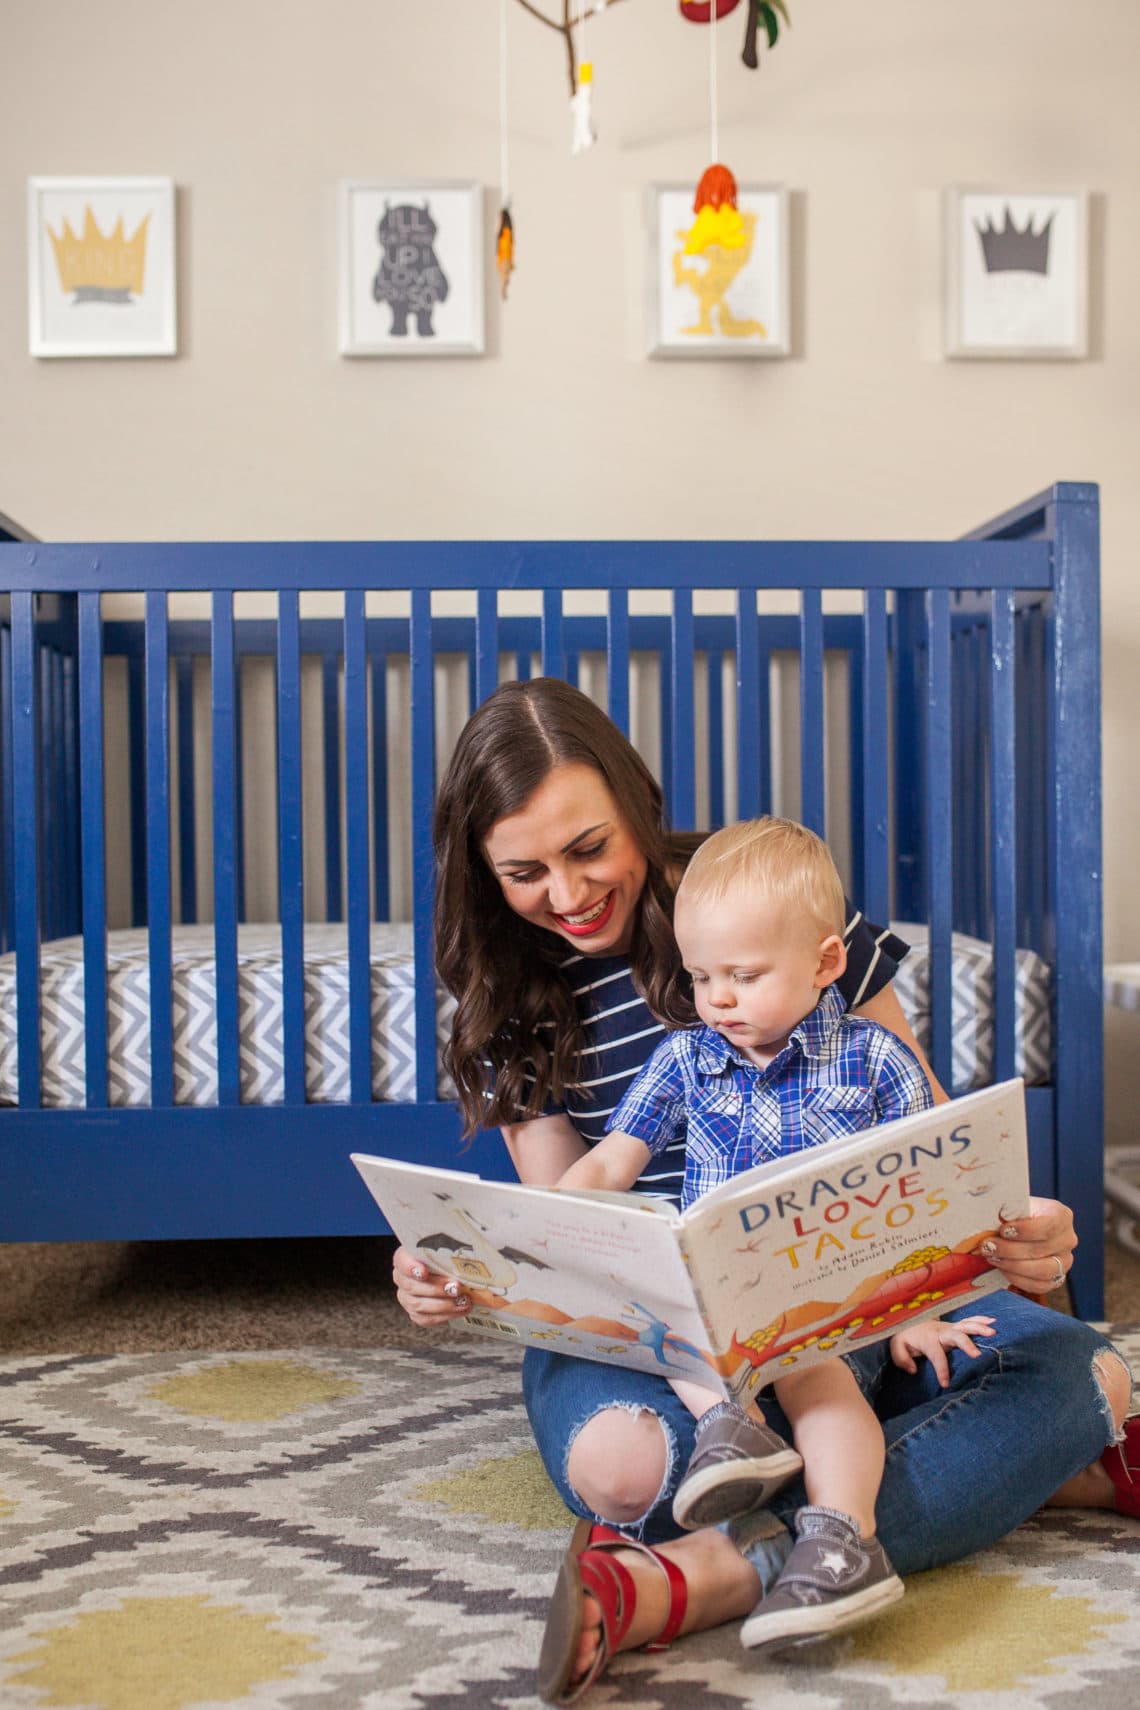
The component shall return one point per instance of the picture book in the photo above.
(791, 1262)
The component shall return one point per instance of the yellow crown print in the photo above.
(101, 268)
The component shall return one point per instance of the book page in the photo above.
(817, 1254)
(596, 1276)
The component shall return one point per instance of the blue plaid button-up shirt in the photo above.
(837, 1075)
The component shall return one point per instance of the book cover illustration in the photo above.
(600, 1278)
(863, 1236)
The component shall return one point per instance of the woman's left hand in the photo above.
(1035, 1252)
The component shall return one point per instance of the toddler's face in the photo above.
(755, 973)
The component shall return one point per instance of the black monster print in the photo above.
(410, 279)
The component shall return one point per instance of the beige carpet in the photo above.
(119, 1297)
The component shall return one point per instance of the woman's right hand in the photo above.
(429, 1299)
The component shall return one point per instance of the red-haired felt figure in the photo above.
(718, 219)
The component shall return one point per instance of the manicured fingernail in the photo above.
(419, 1273)
(452, 1289)
(1008, 1232)
(989, 1248)
(462, 1300)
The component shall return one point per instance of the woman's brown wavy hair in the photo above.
(516, 1040)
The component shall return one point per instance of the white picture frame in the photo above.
(434, 245)
(689, 313)
(1016, 274)
(101, 267)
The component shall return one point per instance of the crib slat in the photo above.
(239, 781)
(158, 848)
(486, 644)
(875, 897)
(553, 659)
(356, 843)
(939, 830)
(714, 666)
(1033, 714)
(682, 715)
(751, 706)
(617, 657)
(187, 844)
(7, 830)
(93, 850)
(330, 725)
(381, 830)
(423, 790)
(136, 726)
(73, 890)
(49, 792)
(26, 853)
(290, 844)
(222, 672)
(1003, 829)
(907, 660)
(812, 792)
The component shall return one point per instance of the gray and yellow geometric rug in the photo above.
(326, 1529)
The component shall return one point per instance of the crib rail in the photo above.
(960, 726)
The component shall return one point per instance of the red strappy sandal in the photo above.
(588, 1566)
(1122, 1464)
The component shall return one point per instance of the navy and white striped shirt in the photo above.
(621, 1034)
(838, 1074)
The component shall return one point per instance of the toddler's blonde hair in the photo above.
(782, 860)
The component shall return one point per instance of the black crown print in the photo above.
(1006, 249)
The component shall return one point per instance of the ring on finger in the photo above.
(1057, 1281)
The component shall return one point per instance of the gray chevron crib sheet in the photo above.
(195, 1035)
(393, 1015)
(972, 1007)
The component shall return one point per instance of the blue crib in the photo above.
(969, 740)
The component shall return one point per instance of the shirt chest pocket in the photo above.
(831, 1112)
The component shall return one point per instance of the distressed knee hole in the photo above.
(1113, 1377)
(612, 1484)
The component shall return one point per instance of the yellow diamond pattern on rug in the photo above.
(985, 1632)
(517, 1485)
(250, 1390)
(161, 1653)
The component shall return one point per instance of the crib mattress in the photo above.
(393, 1015)
(262, 1062)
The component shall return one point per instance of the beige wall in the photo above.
(258, 107)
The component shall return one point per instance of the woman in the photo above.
(553, 931)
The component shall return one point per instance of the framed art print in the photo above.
(101, 278)
(719, 299)
(1016, 273)
(411, 269)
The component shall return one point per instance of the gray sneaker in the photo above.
(736, 1465)
(831, 1580)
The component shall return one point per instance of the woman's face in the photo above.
(568, 862)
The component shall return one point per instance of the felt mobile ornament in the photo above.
(766, 13)
(505, 250)
(718, 220)
(582, 101)
(505, 236)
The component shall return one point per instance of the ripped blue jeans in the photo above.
(964, 1465)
